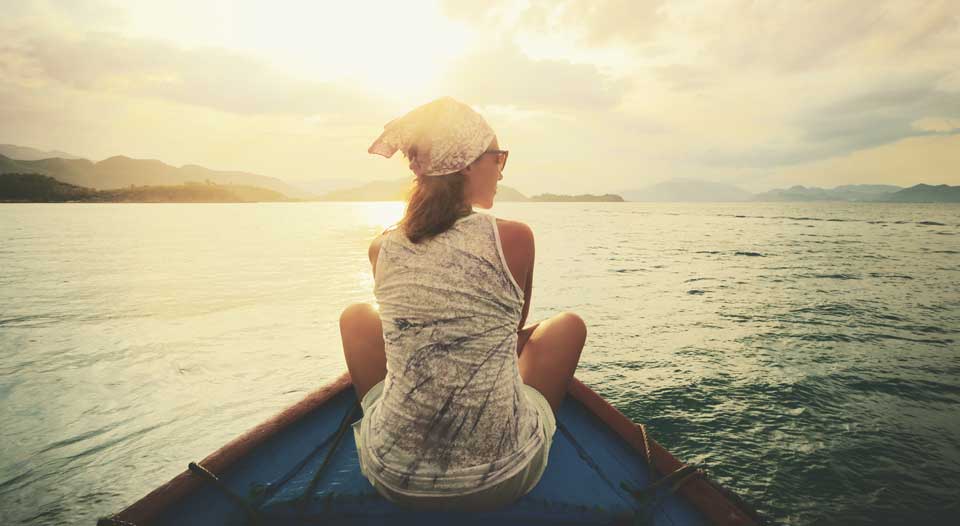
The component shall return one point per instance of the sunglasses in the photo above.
(501, 157)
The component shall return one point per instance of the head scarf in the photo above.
(447, 135)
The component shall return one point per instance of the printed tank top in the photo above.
(453, 418)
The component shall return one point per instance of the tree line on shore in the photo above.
(39, 188)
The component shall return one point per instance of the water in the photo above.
(806, 354)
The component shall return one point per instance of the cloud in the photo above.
(789, 36)
(682, 78)
(601, 22)
(505, 76)
(878, 113)
(925, 159)
(207, 77)
(593, 22)
(65, 14)
(881, 114)
(936, 124)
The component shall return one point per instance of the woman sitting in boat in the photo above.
(458, 396)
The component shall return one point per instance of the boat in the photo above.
(300, 467)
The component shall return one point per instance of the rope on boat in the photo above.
(344, 425)
(676, 479)
(113, 521)
(205, 473)
(646, 451)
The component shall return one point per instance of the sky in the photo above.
(589, 96)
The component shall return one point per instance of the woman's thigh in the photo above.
(363, 349)
(550, 355)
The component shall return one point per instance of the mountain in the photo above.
(397, 189)
(505, 194)
(865, 192)
(25, 153)
(582, 198)
(924, 193)
(37, 188)
(850, 192)
(688, 190)
(120, 171)
(322, 186)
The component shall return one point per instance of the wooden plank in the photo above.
(146, 510)
(698, 491)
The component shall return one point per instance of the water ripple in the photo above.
(803, 353)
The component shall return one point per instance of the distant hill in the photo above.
(38, 188)
(865, 192)
(319, 187)
(581, 198)
(688, 190)
(121, 172)
(850, 192)
(924, 193)
(507, 194)
(25, 153)
(397, 189)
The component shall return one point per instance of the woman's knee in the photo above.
(357, 316)
(573, 325)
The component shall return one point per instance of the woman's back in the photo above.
(453, 418)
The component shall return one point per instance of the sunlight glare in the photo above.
(396, 50)
(383, 214)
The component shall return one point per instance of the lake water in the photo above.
(808, 355)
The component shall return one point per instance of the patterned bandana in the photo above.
(447, 135)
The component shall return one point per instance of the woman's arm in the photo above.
(528, 285)
(374, 251)
(516, 238)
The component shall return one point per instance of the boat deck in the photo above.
(589, 471)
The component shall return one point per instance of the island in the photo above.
(39, 188)
(580, 198)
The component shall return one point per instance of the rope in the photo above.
(677, 479)
(113, 521)
(646, 451)
(344, 424)
(203, 472)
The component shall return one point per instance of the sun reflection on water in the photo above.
(381, 214)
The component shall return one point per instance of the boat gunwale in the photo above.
(702, 493)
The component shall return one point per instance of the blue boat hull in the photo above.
(591, 478)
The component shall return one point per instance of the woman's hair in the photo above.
(434, 204)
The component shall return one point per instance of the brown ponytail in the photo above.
(434, 205)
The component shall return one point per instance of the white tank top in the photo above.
(453, 418)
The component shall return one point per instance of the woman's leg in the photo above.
(549, 353)
(362, 335)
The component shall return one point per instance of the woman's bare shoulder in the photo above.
(374, 250)
(517, 239)
(514, 231)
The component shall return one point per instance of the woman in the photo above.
(458, 398)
